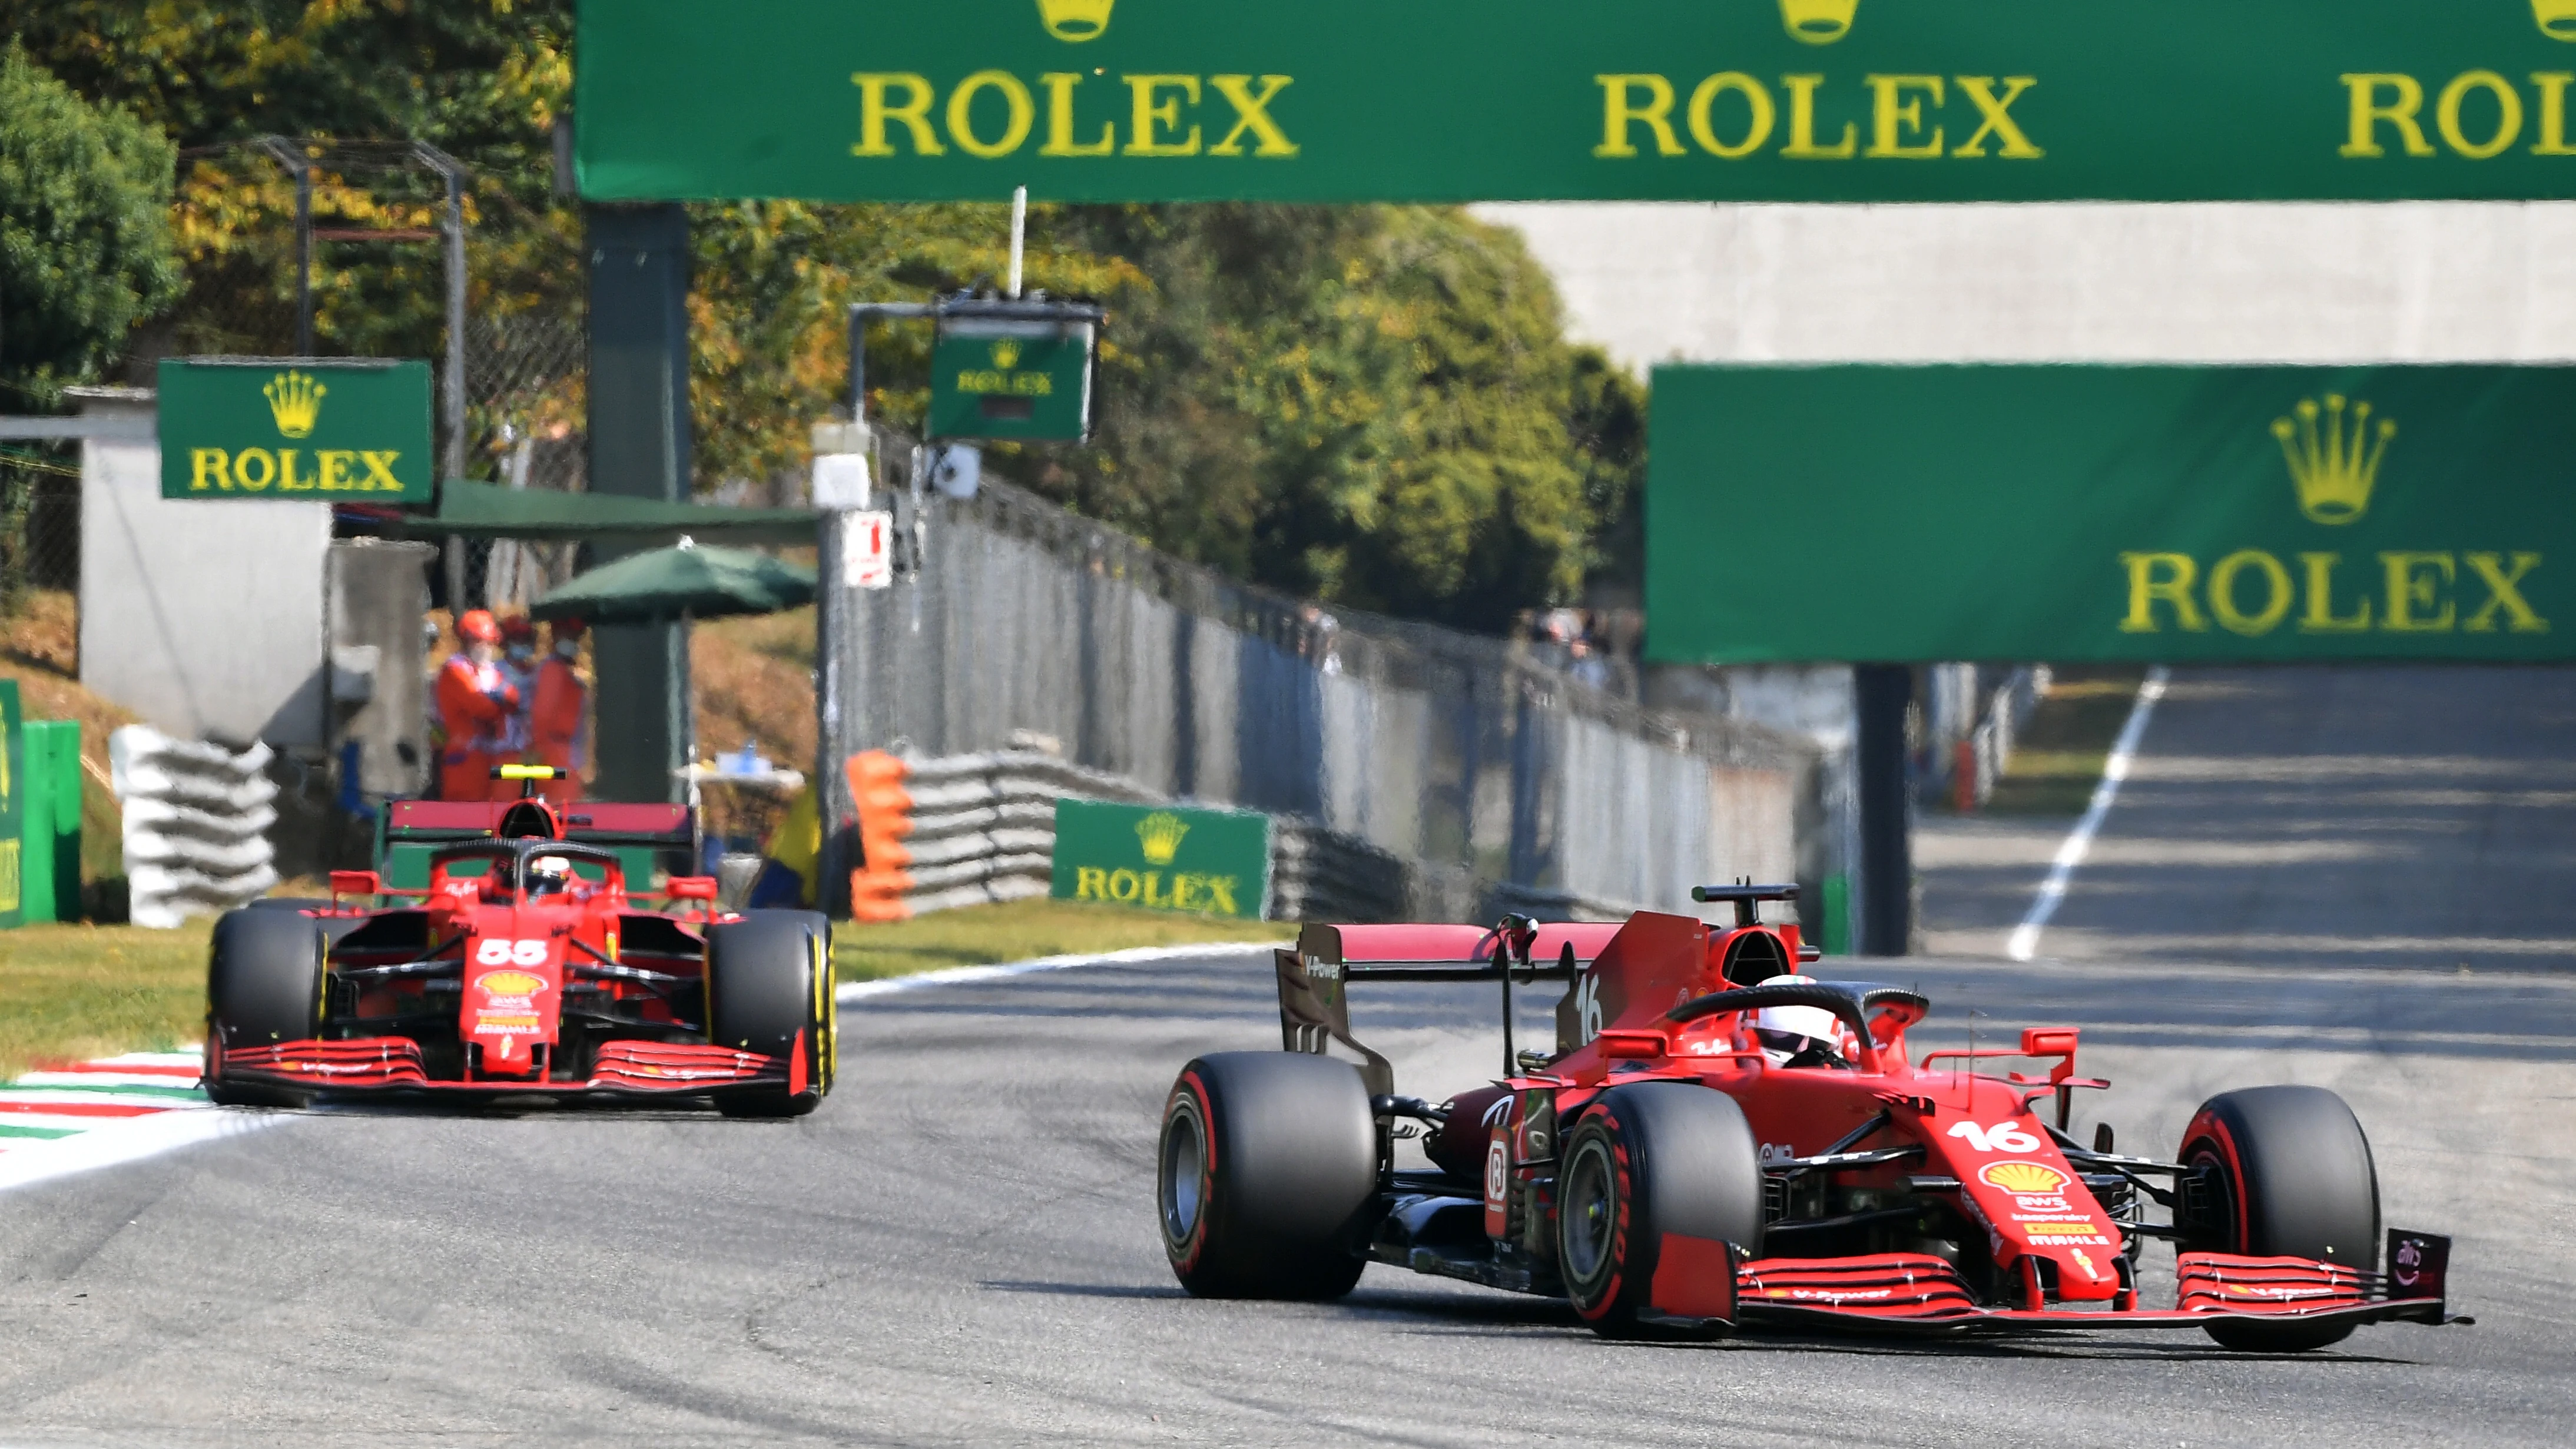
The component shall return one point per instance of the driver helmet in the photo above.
(1789, 1033)
(549, 875)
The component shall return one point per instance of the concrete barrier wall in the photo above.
(1493, 778)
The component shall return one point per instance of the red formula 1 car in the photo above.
(1718, 1140)
(526, 966)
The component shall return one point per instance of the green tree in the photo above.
(85, 241)
(1372, 404)
(1375, 405)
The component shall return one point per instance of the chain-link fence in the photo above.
(40, 554)
(1496, 778)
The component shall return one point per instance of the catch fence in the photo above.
(1496, 781)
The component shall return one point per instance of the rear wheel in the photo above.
(2290, 1175)
(1650, 1159)
(1265, 1175)
(769, 990)
(264, 978)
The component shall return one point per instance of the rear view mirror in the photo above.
(356, 883)
(690, 888)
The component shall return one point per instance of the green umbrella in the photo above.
(683, 580)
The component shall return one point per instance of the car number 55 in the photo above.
(510, 953)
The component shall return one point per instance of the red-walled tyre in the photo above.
(1265, 1176)
(2293, 1178)
(1650, 1159)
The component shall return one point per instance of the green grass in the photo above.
(72, 992)
(2059, 757)
(1020, 930)
(68, 993)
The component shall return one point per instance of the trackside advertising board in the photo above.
(341, 431)
(1163, 857)
(1438, 100)
(2172, 514)
(1005, 379)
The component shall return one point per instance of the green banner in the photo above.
(341, 431)
(1163, 857)
(1434, 100)
(1017, 380)
(2167, 514)
(13, 760)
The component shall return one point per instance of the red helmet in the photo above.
(476, 626)
(567, 629)
(517, 630)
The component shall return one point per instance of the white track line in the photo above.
(964, 975)
(2025, 937)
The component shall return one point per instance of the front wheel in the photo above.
(769, 990)
(1265, 1174)
(264, 981)
(1650, 1159)
(2290, 1176)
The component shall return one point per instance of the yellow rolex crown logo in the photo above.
(2333, 473)
(295, 400)
(1006, 354)
(1075, 20)
(1161, 834)
(2557, 18)
(2024, 1177)
(1822, 22)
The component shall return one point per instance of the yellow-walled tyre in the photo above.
(769, 990)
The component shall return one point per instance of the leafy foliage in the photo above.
(1371, 404)
(85, 242)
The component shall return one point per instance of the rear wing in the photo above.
(649, 840)
(1315, 1008)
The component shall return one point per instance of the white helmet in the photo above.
(1786, 1032)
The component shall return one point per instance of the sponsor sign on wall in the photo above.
(2168, 514)
(1428, 100)
(1163, 857)
(340, 431)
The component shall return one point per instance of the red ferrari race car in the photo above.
(526, 965)
(1718, 1140)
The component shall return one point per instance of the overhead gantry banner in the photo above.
(1430, 100)
(2172, 514)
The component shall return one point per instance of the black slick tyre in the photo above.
(769, 990)
(1266, 1175)
(2291, 1176)
(264, 983)
(1646, 1160)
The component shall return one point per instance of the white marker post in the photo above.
(1019, 234)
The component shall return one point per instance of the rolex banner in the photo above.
(1433, 100)
(2169, 514)
(337, 430)
(1163, 857)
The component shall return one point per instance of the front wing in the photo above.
(393, 1063)
(1920, 1295)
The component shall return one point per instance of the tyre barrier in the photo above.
(196, 817)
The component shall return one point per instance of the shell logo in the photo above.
(512, 983)
(2024, 1177)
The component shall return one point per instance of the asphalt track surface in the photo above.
(959, 1247)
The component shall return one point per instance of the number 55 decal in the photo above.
(2002, 1137)
(516, 953)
